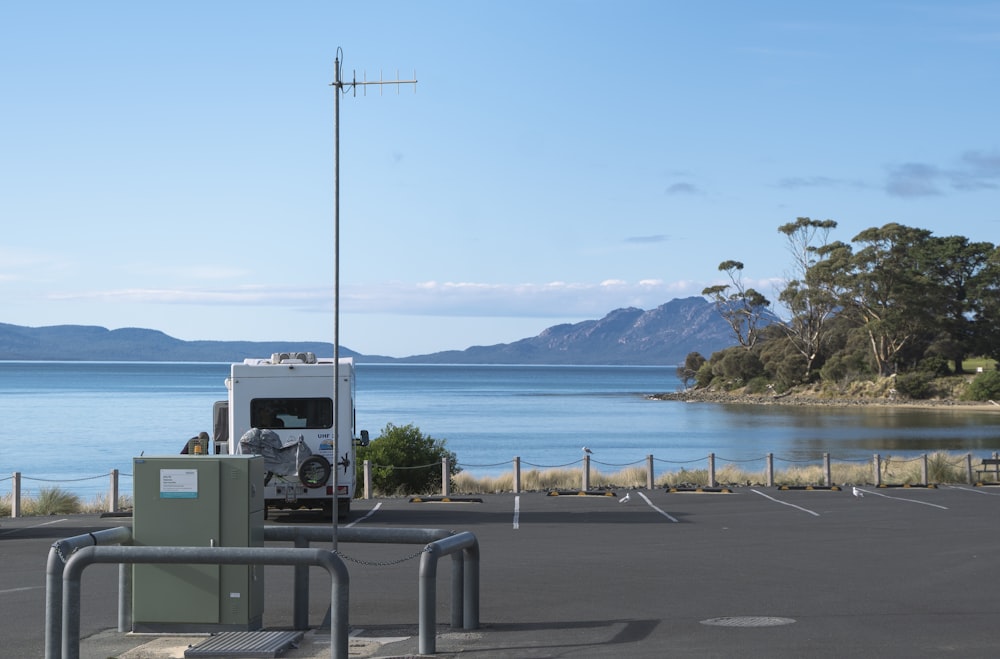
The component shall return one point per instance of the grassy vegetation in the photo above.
(941, 468)
(56, 501)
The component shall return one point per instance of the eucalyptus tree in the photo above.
(743, 308)
(809, 294)
(884, 290)
(955, 270)
(987, 320)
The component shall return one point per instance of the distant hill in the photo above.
(664, 335)
(90, 343)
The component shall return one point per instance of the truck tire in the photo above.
(314, 471)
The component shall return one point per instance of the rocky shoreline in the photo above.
(805, 400)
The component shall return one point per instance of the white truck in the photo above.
(284, 409)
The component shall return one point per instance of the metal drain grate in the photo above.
(245, 644)
(747, 621)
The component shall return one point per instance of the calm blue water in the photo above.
(69, 423)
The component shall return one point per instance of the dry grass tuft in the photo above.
(941, 468)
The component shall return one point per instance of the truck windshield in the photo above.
(291, 413)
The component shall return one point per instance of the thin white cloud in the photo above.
(428, 298)
(246, 295)
(800, 182)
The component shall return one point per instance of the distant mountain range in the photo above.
(664, 335)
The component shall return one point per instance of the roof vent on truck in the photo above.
(293, 358)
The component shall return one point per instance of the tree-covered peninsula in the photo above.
(897, 313)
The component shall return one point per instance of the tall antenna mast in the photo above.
(340, 87)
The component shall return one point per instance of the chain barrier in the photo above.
(617, 464)
(959, 461)
(721, 459)
(678, 462)
(66, 480)
(366, 563)
(568, 464)
(433, 464)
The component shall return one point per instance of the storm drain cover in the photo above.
(747, 621)
(245, 644)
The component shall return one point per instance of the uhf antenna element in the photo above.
(339, 86)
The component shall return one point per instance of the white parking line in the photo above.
(977, 490)
(665, 514)
(517, 512)
(34, 526)
(361, 519)
(785, 503)
(18, 590)
(886, 496)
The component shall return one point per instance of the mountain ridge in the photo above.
(626, 336)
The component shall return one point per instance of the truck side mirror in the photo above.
(363, 441)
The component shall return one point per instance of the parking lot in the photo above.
(756, 572)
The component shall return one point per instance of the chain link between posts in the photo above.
(366, 563)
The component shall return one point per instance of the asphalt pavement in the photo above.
(752, 572)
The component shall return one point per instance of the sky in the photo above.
(171, 165)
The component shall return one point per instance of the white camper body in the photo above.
(292, 395)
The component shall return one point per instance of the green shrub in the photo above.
(917, 385)
(689, 371)
(738, 365)
(985, 386)
(405, 461)
(704, 376)
(935, 365)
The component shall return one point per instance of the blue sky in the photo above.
(169, 165)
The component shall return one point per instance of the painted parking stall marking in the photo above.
(785, 503)
(656, 508)
(886, 496)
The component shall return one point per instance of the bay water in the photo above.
(68, 424)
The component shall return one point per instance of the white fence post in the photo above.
(877, 469)
(711, 470)
(650, 477)
(445, 478)
(517, 474)
(15, 495)
(769, 477)
(113, 493)
(827, 475)
(367, 469)
(586, 473)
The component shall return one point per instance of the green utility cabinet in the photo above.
(198, 501)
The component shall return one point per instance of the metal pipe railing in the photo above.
(468, 585)
(85, 556)
(54, 568)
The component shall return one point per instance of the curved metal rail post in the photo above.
(468, 570)
(54, 578)
(210, 556)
